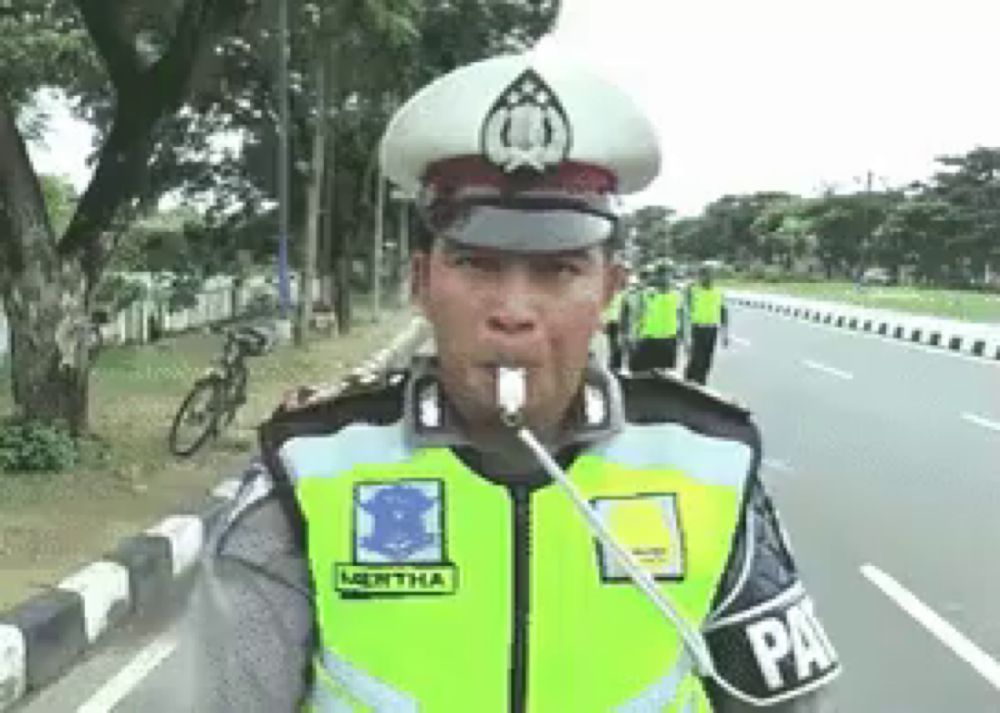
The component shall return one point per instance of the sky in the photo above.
(747, 95)
(794, 94)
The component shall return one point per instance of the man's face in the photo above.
(490, 308)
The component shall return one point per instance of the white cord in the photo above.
(693, 639)
(511, 388)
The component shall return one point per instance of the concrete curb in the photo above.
(43, 637)
(968, 338)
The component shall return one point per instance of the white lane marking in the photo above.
(937, 351)
(828, 369)
(947, 634)
(778, 465)
(114, 691)
(980, 421)
(741, 341)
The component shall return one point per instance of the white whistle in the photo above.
(511, 391)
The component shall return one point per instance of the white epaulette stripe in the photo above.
(715, 461)
(323, 456)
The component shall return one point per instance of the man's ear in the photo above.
(617, 276)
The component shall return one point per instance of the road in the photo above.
(883, 460)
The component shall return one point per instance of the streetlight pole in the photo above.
(403, 200)
(379, 240)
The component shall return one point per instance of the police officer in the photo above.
(612, 318)
(658, 324)
(404, 545)
(628, 323)
(707, 313)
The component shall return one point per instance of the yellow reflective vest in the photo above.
(440, 591)
(706, 305)
(659, 315)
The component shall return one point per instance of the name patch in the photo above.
(389, 579)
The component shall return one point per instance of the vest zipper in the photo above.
(521, 543)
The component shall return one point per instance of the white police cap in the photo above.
(521, 152)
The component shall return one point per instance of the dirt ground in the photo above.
(52, 524)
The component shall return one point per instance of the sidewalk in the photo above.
(971, 338)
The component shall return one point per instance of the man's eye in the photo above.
(476, 262)
(560, 268)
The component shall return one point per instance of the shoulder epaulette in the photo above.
(667, 382)
(322, 396)
(326, 410)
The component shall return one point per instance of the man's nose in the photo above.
(514, 310)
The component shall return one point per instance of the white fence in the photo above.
(217, 302)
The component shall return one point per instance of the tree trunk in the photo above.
(342, 283)
(50, 364)
(313, 199)
(44, 296)
(325, 259)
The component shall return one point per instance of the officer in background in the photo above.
(658, 324)
(612, 318)
(400, 546)
(706, 315)
(628, 324)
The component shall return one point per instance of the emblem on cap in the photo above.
(527, 127)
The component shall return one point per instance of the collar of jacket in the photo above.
(430, 420)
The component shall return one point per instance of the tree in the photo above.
(919, 232)
(648, 234)
(784, 231)
(970, 185)
(60, 201)
(149, 57)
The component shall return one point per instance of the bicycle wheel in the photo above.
(236, 395)
(197, 418)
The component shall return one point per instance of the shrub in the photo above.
(30, 447)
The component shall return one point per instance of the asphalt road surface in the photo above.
(884, 460)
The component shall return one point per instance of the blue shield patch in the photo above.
(399, 523)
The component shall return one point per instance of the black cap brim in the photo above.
(530, 231)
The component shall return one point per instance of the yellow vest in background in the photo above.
(659, 315)
(706, 305)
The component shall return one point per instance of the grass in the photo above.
(956, 304)
(51, 524)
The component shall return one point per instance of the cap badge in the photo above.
(527, 127)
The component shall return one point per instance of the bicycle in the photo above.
(212, 402)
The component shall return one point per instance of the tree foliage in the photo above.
(183, 97)
(945, 231)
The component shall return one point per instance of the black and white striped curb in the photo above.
(46, 635)
(969, 338)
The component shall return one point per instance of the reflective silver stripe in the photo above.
(361, 443)
(661, 694)
(690, 704)
(715, 461)
(360, 685)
